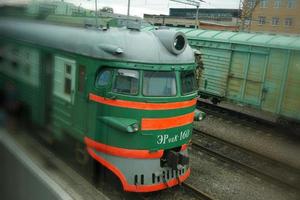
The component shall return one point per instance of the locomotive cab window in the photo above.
(188, 82)
(162, 84)
(126, 81)
(104, 78)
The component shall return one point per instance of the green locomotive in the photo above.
(128, 95)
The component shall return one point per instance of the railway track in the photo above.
(251, 162)
(202, 195)
(234, 115)
(249, 120)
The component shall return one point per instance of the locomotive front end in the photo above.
(144, 114)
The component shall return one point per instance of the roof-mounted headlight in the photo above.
(174, 41)
(179, 42)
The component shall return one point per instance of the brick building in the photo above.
(279, 16)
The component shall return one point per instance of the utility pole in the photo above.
(96, 12)
(197, 16)
(128, 8)
(195, 3)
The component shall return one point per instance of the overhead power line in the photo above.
(189, 2)
(195, 3)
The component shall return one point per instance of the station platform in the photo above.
(29, 171)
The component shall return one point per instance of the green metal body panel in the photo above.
(28, 90)
(275, 77)
(139, 140)
(246, 75)
(291, 99)
(216, 71)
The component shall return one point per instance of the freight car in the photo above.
(255, 73)
(128, 95)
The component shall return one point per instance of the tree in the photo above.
(107, 10)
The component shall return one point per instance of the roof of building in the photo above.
(137, 46)
(186, 12)
(254, 39)
(207, 9)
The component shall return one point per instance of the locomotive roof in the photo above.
(255, 39)
(137, 46)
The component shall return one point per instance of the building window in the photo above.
(264, 3)
(275, 21)
(251, 3)
(261, 20)
(288, 22)
(291, 4)
(277, 3)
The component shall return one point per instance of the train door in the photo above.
(274, 81)
(70, 98)
(64, 93)
(245, 82)
(80, 111)
(47, 63)
(253, 86)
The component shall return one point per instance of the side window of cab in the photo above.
(104, 78)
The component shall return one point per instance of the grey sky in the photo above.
(139, 7)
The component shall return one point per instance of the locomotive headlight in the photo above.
(199, 115)
(133, 128)
(122, 124)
